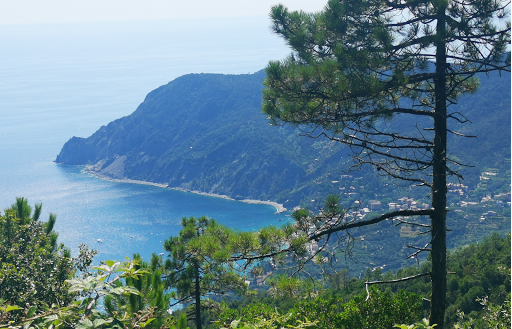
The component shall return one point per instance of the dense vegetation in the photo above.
(479, 270)
(187, 136)
(355, 66)
(240, 155)
(376, 85)
(33, 268)
(51, 289)
(205, 132)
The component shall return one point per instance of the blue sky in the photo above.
(60, 11)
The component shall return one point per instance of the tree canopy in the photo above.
(33, 268)
(199, 264)
(357, 65)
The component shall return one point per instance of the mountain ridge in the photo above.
(183, 147)
(205, 132)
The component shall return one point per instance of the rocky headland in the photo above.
(205, 133)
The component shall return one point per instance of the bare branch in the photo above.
(417, 252)
(367, 284)
(401, 221)
(463, 120)
(460, 134)
(423, 212)
(418, 248)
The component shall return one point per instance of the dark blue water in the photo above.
(59, 81)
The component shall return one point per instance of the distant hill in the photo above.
(206, 132)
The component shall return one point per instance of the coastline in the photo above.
(279, 207)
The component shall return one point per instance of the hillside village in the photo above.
(460, 197)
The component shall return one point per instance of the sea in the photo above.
(64, 80)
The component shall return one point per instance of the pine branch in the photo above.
(367, 284)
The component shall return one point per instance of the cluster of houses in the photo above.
(359, 211)
(458, 189)
(499, 199)
(407, 203)
(486, 174)
(375, 205)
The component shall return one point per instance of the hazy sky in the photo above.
(56, 11)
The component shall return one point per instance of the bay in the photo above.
(64, 80)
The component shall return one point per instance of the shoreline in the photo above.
(279, 207)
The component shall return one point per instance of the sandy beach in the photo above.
(279, 207)
(125, 180)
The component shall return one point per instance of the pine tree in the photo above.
(357, 65)
(199, 265)
(33, 267)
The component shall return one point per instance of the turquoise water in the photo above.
(60, 81)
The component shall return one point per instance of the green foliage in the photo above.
(40, 286)
(420, 325)
(104, 283)
(33, 268)
(484, 265)
(133, 291)
(274, 320)
(290, 287)
(151, 296)
(357, 65)
(23, 210)
(477, 271)
(199, 263)
(380, 310)
(84, 311)
(494, 316)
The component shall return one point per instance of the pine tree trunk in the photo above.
(438, 218)
(198, 297)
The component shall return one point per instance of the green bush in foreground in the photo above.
(33, 268)
(380, 310)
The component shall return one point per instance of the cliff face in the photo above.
(206, 132)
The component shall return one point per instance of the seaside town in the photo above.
(460, 197)
(463, 201)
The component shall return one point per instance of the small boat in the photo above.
(100, 241)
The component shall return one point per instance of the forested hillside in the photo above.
(205, 132)
(479, 272)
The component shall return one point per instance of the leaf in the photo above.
(31, 311)
(12, 308)
(85, 324)
(54, 318)
(143, 325)
(103, 268)
(99, 322)
(124, 290)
